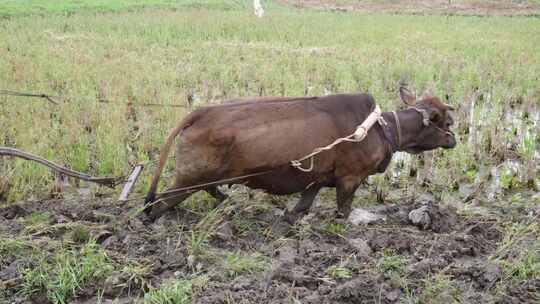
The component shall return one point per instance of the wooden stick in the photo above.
(110, 182)
(50, 99)
(130, 182)
(13, 93)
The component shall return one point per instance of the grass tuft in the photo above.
(236, 263)
(64, 275)
(333, 228)
(339, 272)
(172, 292)
(390, 263)
(439, 288)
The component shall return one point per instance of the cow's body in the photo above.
(236, 139)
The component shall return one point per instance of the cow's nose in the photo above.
(450, 141)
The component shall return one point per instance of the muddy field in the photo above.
(462, 7)
(241, 252)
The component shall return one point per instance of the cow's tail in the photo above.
(163, 156)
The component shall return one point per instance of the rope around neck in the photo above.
(358, 135)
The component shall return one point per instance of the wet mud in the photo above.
(318, 260)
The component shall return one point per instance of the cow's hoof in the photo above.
(291, 217)
(147, 210)
(281, 228)
(152, 216)
(343, 214)
(146, 219)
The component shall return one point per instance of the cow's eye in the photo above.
(434, 116)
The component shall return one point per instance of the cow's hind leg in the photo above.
(156, 209)
(159, 207)
(303, 205)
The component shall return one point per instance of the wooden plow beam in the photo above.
(110, 182)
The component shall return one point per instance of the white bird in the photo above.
(259, 11)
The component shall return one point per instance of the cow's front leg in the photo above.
(303, 205)
(345, 189)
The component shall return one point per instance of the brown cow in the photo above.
(236, 139)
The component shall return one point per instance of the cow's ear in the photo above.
(407, 96)
(434, 116)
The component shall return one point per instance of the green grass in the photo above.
(518, 252)
(36, 221)
(236, 263)
(67, 273)
(173, 292)
(391, 264)
(525, 267)
(440, 288)
(13, 8)
(518, 256)
(11, 248)
(333, 228)
(339, 272)
(137, 275)
(79, 234)
(199, 236)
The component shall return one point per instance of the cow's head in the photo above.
(429, 123)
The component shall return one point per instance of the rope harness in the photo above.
(358, 135)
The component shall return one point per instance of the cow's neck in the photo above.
(402, 134)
